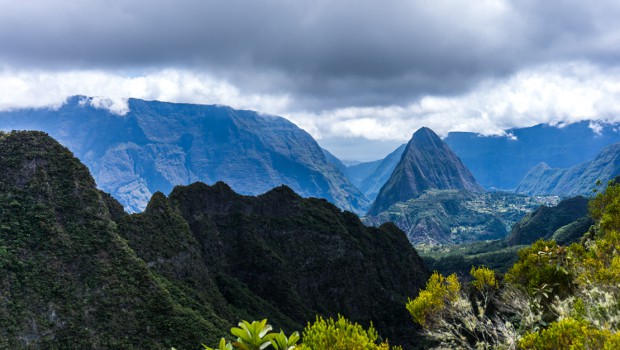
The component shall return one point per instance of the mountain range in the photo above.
(76, 269)
(501, 162)
(158, 145)
(577, 180)
(434, 198)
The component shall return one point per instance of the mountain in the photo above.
(303, 256)
(545, 221)
(369, 177)
(75, 269)
(426, 163)
(67, 278)
(357, 173)
(578, 180)
(501, 162)
(332, 159)
(158, 145)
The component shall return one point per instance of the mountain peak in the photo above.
(425, 134)
(425, 138)
(427, 163)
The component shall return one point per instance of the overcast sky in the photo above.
(360, 76)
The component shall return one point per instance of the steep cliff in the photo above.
(427, 163)
(158, 145)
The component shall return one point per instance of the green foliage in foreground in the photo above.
(323, 334)
(554, 297)
(257, 336)
(341, 334)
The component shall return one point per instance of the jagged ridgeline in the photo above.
(158, 145)
(67, 278)
(577, 180)
(74, 269)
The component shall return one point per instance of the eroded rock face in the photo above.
(159, 145)
(578, 180)
(427, 163)
(501, 162)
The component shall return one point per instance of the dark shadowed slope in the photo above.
(75, 269)
(304, 256)
(67, 278)
(545, 221)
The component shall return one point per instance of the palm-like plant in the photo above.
(279, 341)
(223, 346)
(251, 336)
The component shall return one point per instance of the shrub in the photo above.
(341, 335)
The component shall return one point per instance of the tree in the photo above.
(463, 318)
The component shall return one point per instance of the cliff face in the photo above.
(501, 162)
(577, 180)
(157, 145)
(427, 163)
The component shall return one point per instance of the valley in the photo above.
(216, 215)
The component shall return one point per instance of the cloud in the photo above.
(50, 89)
(327, 54)
(350, 68)
(565, 93)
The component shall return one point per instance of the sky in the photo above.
(360, 76)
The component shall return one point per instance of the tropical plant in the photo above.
(224, 345)
(251, 336)
(341, 334)
(281, 342)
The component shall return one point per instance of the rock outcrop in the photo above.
(427, 163)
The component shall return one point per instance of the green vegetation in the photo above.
(66, 275)
(257, 336)
(75, 269)
(323, 334)
(553, 297)
(439, 217)
(459, 258)
(545, 221)
(564, 223)
(432, 300)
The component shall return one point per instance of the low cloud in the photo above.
(30, 89)
(558, 93)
